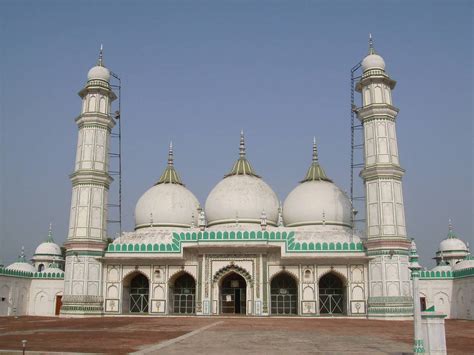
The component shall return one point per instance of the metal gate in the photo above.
(331, 295)
(284, 295)
(331, 304)
(139, 294)
(184, 291)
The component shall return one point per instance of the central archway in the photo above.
(183, 294)
(233, 294)
(284, 295)
(331, 294)
(136, 294)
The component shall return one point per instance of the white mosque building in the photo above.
(243, 252)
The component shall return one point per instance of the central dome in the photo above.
(241, 196)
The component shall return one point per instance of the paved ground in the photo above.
(220, 335)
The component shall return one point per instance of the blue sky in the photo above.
(197, 72)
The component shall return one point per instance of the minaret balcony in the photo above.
(377, 171)
(377, 111)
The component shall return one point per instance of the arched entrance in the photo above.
(183, 294)
(284, 295)
(233, 294)
(136, 291)
(331, 294)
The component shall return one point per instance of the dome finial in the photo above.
(371, 45)
(450, 229)
(21, 257)
(315, 151)
(170, 175)
(242, 144)
(50, 233)
(100, 62)
(170, 154)
(315, 171)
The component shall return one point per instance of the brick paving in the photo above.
(121, 335)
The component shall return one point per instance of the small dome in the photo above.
(241, 196)
(442, 267)
(21, 266)
(98, 73)
(467, 263)
(316, 200)
(452, 244)
(48, 249)
(168, 203)
(373, 61)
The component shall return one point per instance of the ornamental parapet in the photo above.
(377, 111)
(375, 75)
(95, 119)
(285, 240)
(92, 177)
(380, 171)
(32, 275)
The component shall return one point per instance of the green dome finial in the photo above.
(242, 165)
(21, 257)
(100, 62)
(170, 175)
(50, 234)
(371, 45)
(315, 171)
(450, 230)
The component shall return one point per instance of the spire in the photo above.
(242, 145)
(451, 234)
(21, 257)
(170, 155)
(242, 165)
(100, 62)
(50, 234)
(315, 171)
(170, 175)
(371, 45)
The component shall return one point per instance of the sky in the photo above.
(197, 72)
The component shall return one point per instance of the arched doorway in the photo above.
(284, 295)
(183, 294)
(233, 295)
(331, 294)
(136, 291)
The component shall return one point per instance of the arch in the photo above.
(135, 292)
(40, 267)
(331, 293)
(284, 294)
(378, 94)
(221, 273)
(337, 273)
(182, 293)
(4, 300)
(233, 293)
(92, 104)
(102, 106)
(41, 304)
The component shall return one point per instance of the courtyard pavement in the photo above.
(220, 335)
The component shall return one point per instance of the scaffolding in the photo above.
(357, 149)
(115, 163)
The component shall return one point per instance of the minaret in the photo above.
(387, 243)
(87, 236)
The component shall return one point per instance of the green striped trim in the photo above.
(242, 167)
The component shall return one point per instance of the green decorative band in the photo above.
(288, 239)
(387, 252)
(31, 275)
(84, 253)
(418, 347)
(446, 275)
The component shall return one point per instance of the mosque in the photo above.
(242, 252)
